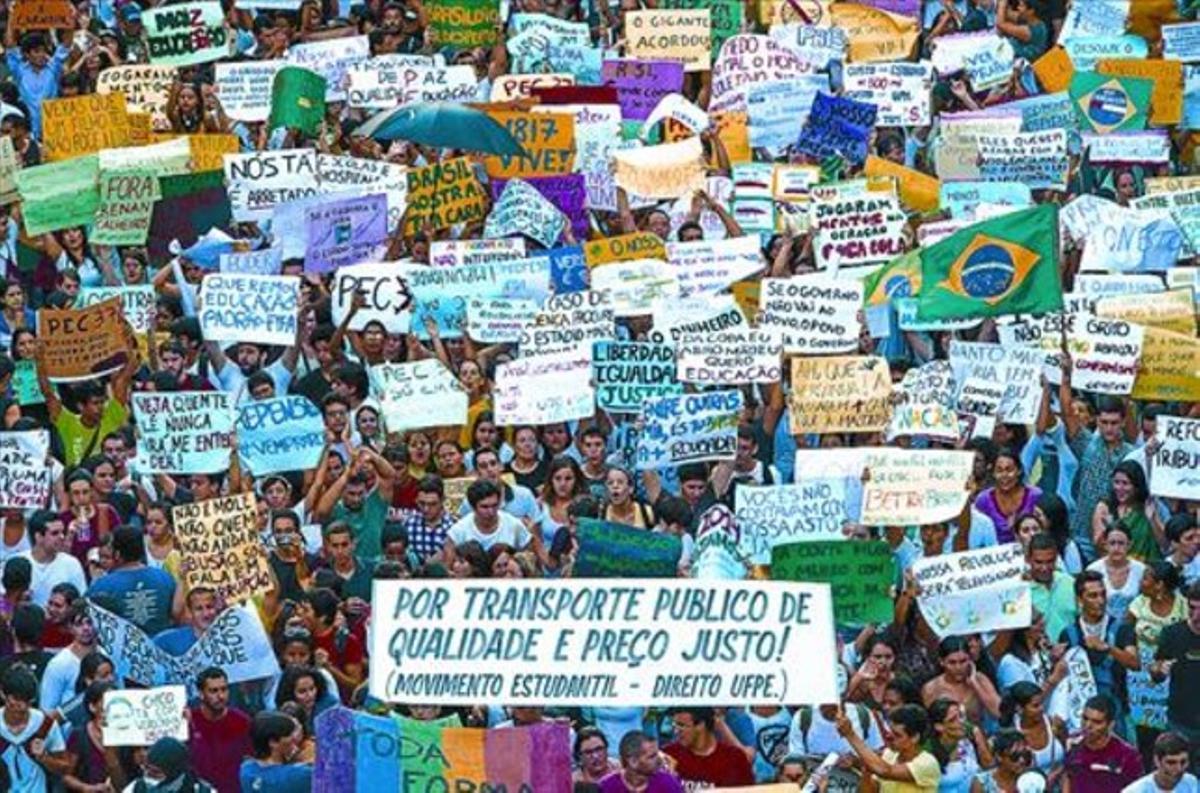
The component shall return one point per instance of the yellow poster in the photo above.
(1054, 70)
(840, 393)
(1174, 310)
(624, 248)
(84, 125)
(875, 35)
(1166, 103)
(670, 34)
(918, 191)
(548, 140)
(1170, 367)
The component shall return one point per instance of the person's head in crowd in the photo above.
(640, 758)
(59, 603)
(36, 50)
(526, 446)
(1055, 519)
(354, 496)
(203, 607)
(954, 656)
(10, 412)
(1160, 581)
(14, 296)
(129, 547)
(420, 451)
(335, 410)
(186, 331)
(909, 725)
(502, 562)
(204, 486)
(693, 483)
(320, 609)
(24, 344)
(95, 667)
(91, 399)
(1148, 426)
(424, 712)
(28, 622)
(690, 231)
(618, 486)
(674, 515)
(985, 456)
(167, 762)
(338, 544)
(93, 699)
(564, 481)
(591, 751)
(1011, 751)
(1042, 558)
(20, 693)
(213, 686)
(1183, 537)
(947, 726)
(694, 727)
(1117, 539)
(525, 715)
(116, 447)
(1022, 704)
(556, 439)
(1025, 525)
(287, 542)
(15, 126)
(879, 657)
(792, 769)
(431, 498)
(1099, 715)
(133, 266)
(366, 422)
(470, 561)
(1170, 760)
(473, 378)
(449, 460)
(747, 448)
(260, 386)
(1091, 595)
(1128, 487)
(658, 222)
(393, 539)
(900, 690)
(933, 538)
(277, 492)
(47, 532)
(295, 646)
(1110, 419)
(303, 685)
(16, 578)
(485, 434)
(485, 498)
(79, 622)
(592, 442)
(1007, 472)
(488, 465)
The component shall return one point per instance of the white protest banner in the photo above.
(1036, 159)
(254, 308)
(1078, 687)
(1095, 18)
(776, 111)
(441, 293)
(1105, 354)
(979, 402)
(1086, 51)
(689, 428)
(183, 432)
(138, 303)
(25, 476)
(139, 717)
(915, 486)
(857, 231)
(705, 314)
(264, 261)
(1019, 369)
(219, 541)
(512, 87)
(732, 357)
(1175, 471)
(392, 80)
(637, 285)
(924, 403)
(901, 91)
(544, 389)
(186, 34)
(675, 107)
(627, 373)
(494, 320)
(815, 509)
(814, 313)
(704, 266)
(570, 323)
(1133, 147)
(747, 60)
(1132, 239)
(974, 591)
(330, 59)
(521, 209)
(281, 434)
(815, 45)
(549, 642)
(385, 288)
(245, 88)
(1182, 42)
(419, 394)
(454, 253)
(258, 181)
(146, 87)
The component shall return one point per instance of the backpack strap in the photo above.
(864, 719)
(806, 718)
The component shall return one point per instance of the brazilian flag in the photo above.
(1007, 265)
(1106, 104)
(901, 277)
(297, 99)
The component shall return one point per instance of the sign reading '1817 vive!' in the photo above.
(611, 642)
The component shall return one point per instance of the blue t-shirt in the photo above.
(141, 595)
(176, 641)
(276, 778)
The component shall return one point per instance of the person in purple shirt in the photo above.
(641, 768)
(1009, 497)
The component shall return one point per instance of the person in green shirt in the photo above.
(1052, 590)
(1020, 21)
(101, 410)
(352, 499)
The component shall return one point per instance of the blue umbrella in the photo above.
(444, 125)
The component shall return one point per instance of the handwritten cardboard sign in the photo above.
(84, 125)
(25, 477)
(689, 428)
(840, 394)
(139, 717)
(915, 486)
(183, 432)
(670, 34)
(186, 34)
(255, 308)
(219, 539)
(83, 344)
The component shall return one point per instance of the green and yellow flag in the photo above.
(1107, 104)
(901, 277)
(1006, 265)
(298, 99)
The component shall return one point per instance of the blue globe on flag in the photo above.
(1108, 107)
(988, 272)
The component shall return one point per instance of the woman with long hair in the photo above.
(93, 765)
(1008, 497)
(1056, 521)
(960, 747)
(1023, 709)
(564, 481)
(529, 466)
(1129, 502)
(869, 682)
(1157, 605)
(621, 502)
(1012, 760)
(1122, 575)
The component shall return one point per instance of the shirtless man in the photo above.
(961, 682)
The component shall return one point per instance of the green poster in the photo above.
(614, 550)
(297, 100)
(463, 23)
(862, 574)
(126, 204)
(1107, 104)
(59, 195)
(25, 385)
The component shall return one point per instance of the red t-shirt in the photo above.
(351, 652)
(726, 766)
(219, 746)
(55, 637)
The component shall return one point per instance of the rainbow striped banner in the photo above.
(361, 753)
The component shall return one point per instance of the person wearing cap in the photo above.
(168, 769)
(130, 34)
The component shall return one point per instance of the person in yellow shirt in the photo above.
(904, 767)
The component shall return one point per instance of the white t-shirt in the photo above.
(58, 681)
(1147, 785)
(509, 531)
(823, 737)
(25, 773)
(63, 568)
